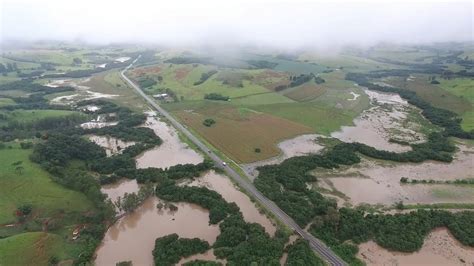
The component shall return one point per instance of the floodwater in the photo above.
(439, 248)
(82, 92)
(110, 144)
(298, 146)
(379, 182)
(354, 96)
(230, 193)
(377, 125)
(123, 59)
(118, 189)
(171, 152)
(208, 255)
(133, 236)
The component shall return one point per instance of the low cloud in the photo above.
(283, 24)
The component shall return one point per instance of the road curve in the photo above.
(243, 182)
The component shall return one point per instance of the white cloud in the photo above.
(289, 24)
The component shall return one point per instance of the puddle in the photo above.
(171, 152)
(354, 96)
(376, 125)
(301, 145)
(439, 248)
(230, 193)
(132, 238)
(111, 145)
(372, 182)
(122, 59)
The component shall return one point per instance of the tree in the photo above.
(208, 122)
(77, 61)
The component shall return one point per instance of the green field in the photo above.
(32, 185)
(35, 248)
(464, 88)
(26, 116)
(6, 102)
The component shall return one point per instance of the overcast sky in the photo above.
(291, 24)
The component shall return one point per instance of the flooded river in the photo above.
(230, 193)
(440, 248)
(133, 236)
(379, 182)
(171, 152)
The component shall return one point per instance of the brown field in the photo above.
(306, 92)
(271, 79)
(146, 70)
(433, 94)
(238, 135)
(182, 72)
(232, 78)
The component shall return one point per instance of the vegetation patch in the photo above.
(34, 248)
(170, 249)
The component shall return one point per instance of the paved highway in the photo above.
(243, 182)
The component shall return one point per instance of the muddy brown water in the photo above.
(230, 193)
(111, 145)
(171, 152)
(440, 248)
(118, 189)
(298, 146)
(133, 236)
(374, 126)
(377, 182)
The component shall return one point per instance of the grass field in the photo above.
(464, 88)
(238, 132)
(110, 83)
(435, 95)
(26, 116)
(32, 185)
(306, 92)
(34, 248)
(322, 120)
(6, 102)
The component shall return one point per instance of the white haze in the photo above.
(281, 24)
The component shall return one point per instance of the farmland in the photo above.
(32, 185)
(238, 133)
(252, 109)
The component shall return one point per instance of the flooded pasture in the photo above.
(230, 193)
(81, 92)
(439, 248)
(378, 182)
(171, 152)
(132, 238)
(298, 146)
(111, 145)
(377, 125)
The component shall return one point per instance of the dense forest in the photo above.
(170, 249)
(399, 232)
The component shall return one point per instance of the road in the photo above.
(243, 182)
